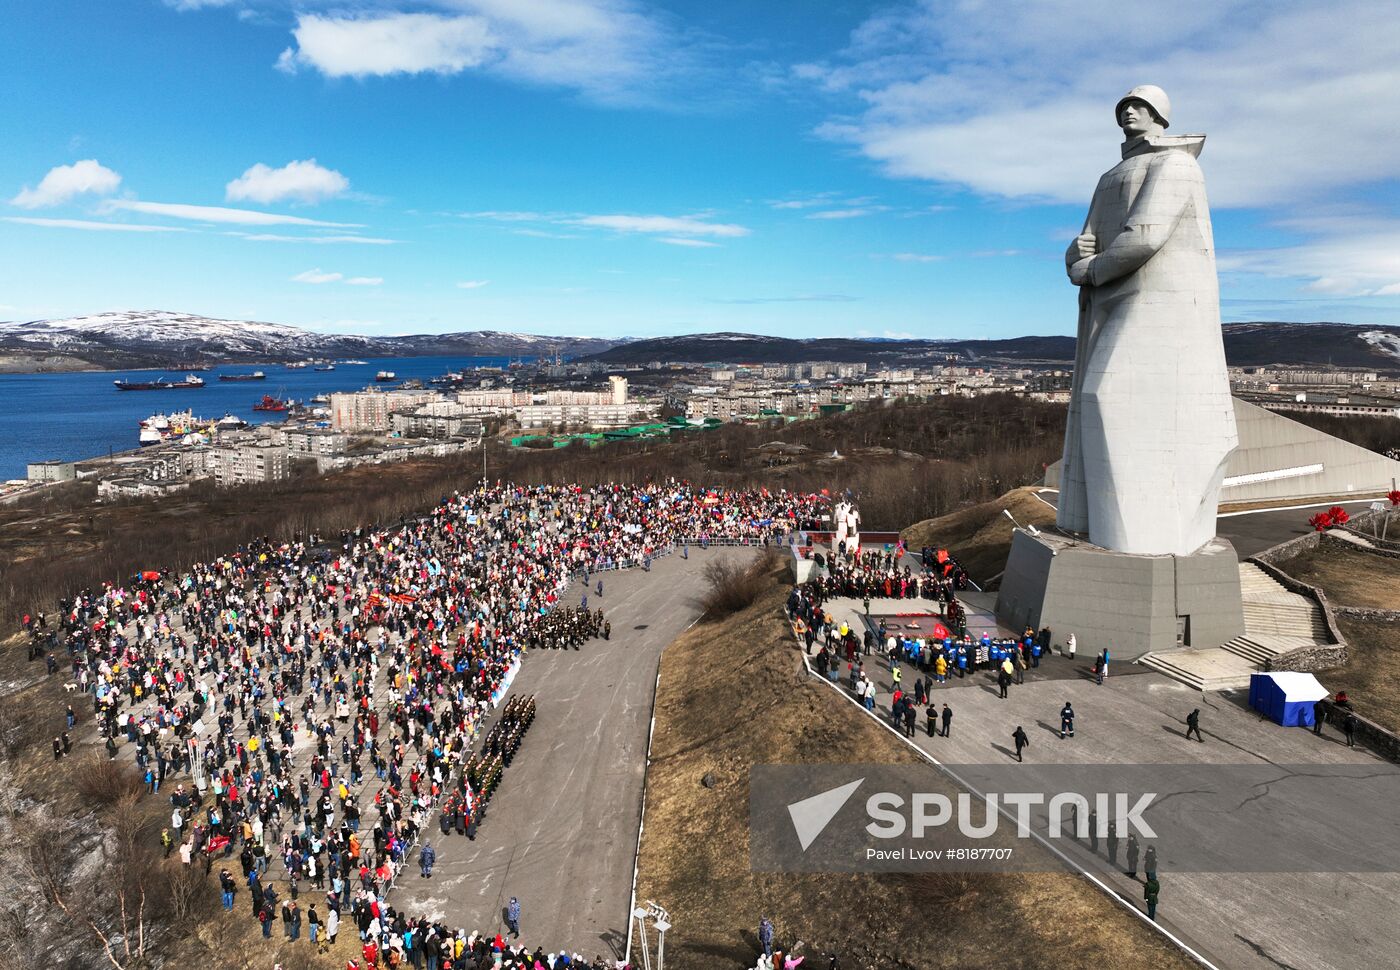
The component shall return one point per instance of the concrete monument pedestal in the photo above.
(1132, 604)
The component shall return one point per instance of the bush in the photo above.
(732, 586)
(104, 782)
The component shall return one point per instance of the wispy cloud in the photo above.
(303, 181)
(316, 276)
(806, 202)
(855, 213)
(1015, 99)
(696, 243)
(670, 225)
(806, 298)
(66, 182)
(472, 284)
(911, 257)
(315, 240)
(611, 51)
(91, 226)
(214, 213)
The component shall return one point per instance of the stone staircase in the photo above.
(1276, 621)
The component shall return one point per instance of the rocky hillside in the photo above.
(159, 338)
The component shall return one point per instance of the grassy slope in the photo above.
(732, 695)
(1349, 575)
(980, 536)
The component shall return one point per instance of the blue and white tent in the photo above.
(1286, 697)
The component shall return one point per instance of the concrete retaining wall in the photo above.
(1381, 740)
(1367, 613)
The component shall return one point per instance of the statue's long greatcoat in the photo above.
(1151, 422)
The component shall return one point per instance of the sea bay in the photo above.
(79, 415)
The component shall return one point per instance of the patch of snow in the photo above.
(1386, 343)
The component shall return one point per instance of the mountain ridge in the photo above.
(135, 339)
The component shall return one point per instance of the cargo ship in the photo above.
(257, 375)
(386, 377)
(160, 384)
(270, 403)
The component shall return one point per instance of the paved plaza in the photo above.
(561, 832)
(1137, 717)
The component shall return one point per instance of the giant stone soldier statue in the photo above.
(1151, 423)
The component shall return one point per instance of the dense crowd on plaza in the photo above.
(316, 703)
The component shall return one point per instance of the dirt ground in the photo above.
(1349, 575)
(1371, 677)
(980, 535)
(732, 695)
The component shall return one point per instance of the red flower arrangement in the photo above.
(1339, 515)
(1394, 496)
(1321, 522)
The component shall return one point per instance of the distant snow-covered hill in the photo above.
(160, 338)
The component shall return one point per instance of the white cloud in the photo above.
(303, 181)
(472, 284)
(185, 6)
(397, 43)
(915, 258)
(316, 276)
(611, 50)
(214, 213)
(90, 225)
(846, 213)
(671, 225)
(316, 240)
(1347, 255)
(821, 198)
(1015, 99)
(677, 241)
(65, 182)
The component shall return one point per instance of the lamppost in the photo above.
(662, 921)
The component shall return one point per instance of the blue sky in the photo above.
(617, 167)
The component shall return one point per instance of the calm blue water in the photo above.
(72, 416)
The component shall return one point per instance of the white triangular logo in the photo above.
(811, 815)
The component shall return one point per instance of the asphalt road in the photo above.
(561, 831)
(1253, 532)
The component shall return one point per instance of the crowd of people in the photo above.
(891, 574)
(319, 700)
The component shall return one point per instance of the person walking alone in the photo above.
(765, 936)
(1066, 721)
(513, 917)
(1193, 725)
(1019, 739)
(947, 720)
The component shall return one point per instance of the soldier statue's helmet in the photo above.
(1152, 96)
